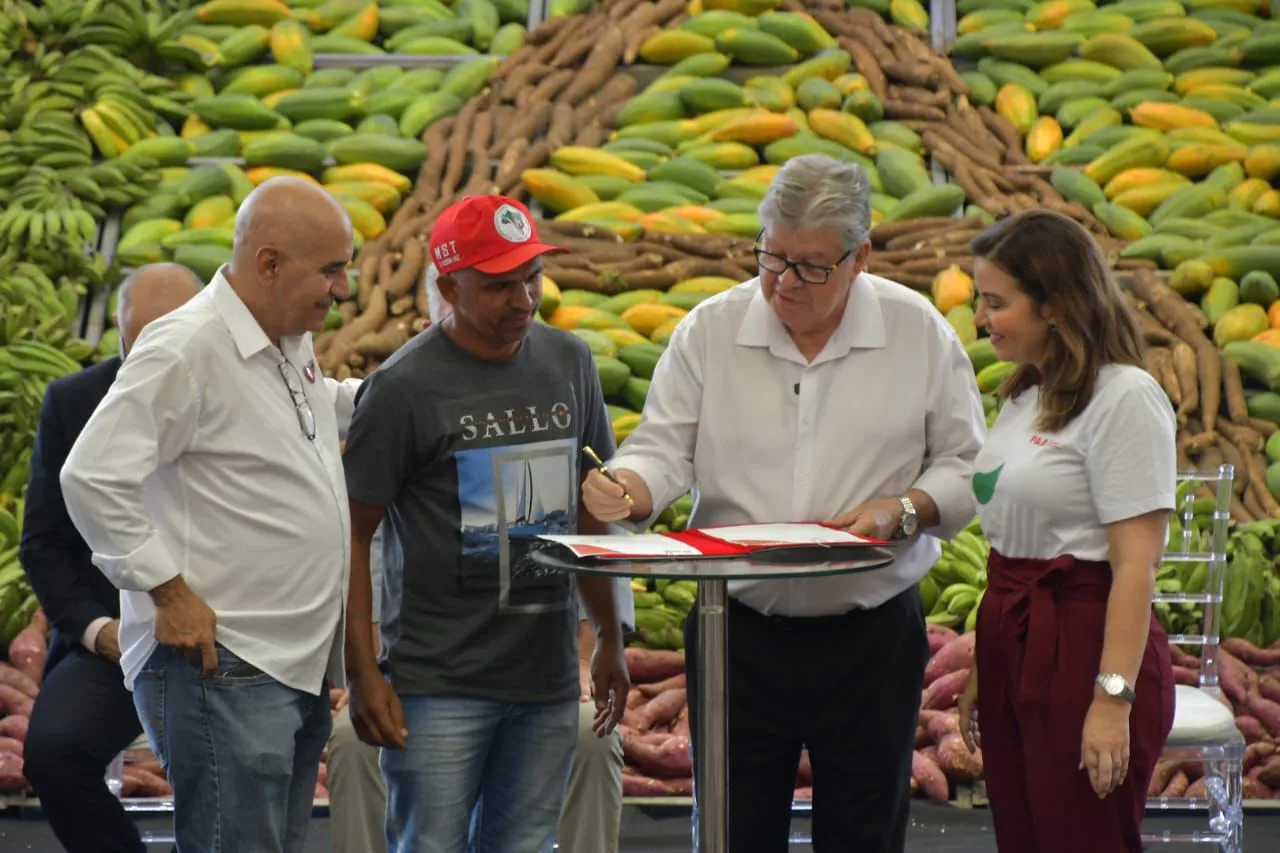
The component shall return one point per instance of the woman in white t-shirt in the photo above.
(1072, 684)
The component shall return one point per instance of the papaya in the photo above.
(1241, 323)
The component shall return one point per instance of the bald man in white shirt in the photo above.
(815, 392)
(209, 487)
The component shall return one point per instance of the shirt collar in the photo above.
(861, 325)
(245, 331)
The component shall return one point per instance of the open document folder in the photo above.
(738, 540)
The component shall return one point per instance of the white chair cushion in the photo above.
(1199, 717)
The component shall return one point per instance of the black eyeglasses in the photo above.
(301, 406)
(808, 273)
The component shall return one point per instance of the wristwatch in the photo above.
(1116, 687)
(907, 526)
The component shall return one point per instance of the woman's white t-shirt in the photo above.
(1044, 495)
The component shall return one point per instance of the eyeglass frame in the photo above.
(795, 265)
(301, 405)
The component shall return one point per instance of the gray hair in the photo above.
(814, 191)
(437, 307)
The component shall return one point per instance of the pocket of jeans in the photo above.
(234, 670)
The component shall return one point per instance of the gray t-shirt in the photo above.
(473, 459)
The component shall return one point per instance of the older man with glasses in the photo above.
(209, 486)
(854, 402)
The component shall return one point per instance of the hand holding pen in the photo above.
(608, 495)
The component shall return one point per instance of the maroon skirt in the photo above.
(1040, 631)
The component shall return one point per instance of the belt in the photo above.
(1026, 592)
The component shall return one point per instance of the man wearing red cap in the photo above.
(468, 441)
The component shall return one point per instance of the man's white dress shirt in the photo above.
(196, 464)
(890, 404)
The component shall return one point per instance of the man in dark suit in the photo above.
(84, 715)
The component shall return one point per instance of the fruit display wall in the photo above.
(644, 135)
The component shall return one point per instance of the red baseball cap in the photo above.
(490, 233)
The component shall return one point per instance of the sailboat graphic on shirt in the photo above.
(508, 497)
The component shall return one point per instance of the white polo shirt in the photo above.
(890, 404)
(196, 464)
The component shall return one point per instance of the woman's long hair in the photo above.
(1058, 264)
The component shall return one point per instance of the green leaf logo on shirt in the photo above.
(984, 484)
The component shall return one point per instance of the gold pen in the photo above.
(600, 466)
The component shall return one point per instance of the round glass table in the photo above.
(711, 761)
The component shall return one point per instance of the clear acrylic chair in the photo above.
(139, 750)
(1204, 730)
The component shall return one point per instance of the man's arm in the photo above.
(660, 449)
(147, 420)
(381, 452)
(361, 651)
(955, 430)
(345, 394)
(50, 540)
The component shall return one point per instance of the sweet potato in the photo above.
(28, 651)
(1236, 678)
(1160, 777)
(1177, 787)
(944, 692)
(1251, 654)
(930, 777)
(14, 726)
(642, 786)
(1258, 753)
(667, 759)
(11, 745)
(636, 698)
(1254, 789)
(646, 665)
(659, 687)
(1269, 772)
(321, 793)
(148, 784)
(662, 709)
(804, 772)
(1198, 789)
(1181, 658)
(957, 761)
(1251, 729)
(1269, 686)
(804, 794)
(943, 725)
(680, 725)
(14, 702)
(18, 680)
(678, 787)
(955, 655)
(11, 779)
(1186, 675)
(1267, 712)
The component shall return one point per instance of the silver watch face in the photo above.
(1112, 684)
(909, 522)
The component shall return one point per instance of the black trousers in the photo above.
(82, 719)
(846, 687)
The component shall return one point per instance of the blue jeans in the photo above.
(241, 749)
(479, 776)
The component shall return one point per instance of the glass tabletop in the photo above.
(775, 563)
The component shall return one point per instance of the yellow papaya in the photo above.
(1017, 105)
(1165, 116)
(952, 288)
(1044, 139)
(1144, 200)
(555, 190)
(1263, 161)
(756, 128)
(670, 46)
(1198, 160)
(844, 128)
(646, 318)
(1246, 193)
(1145, 176)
